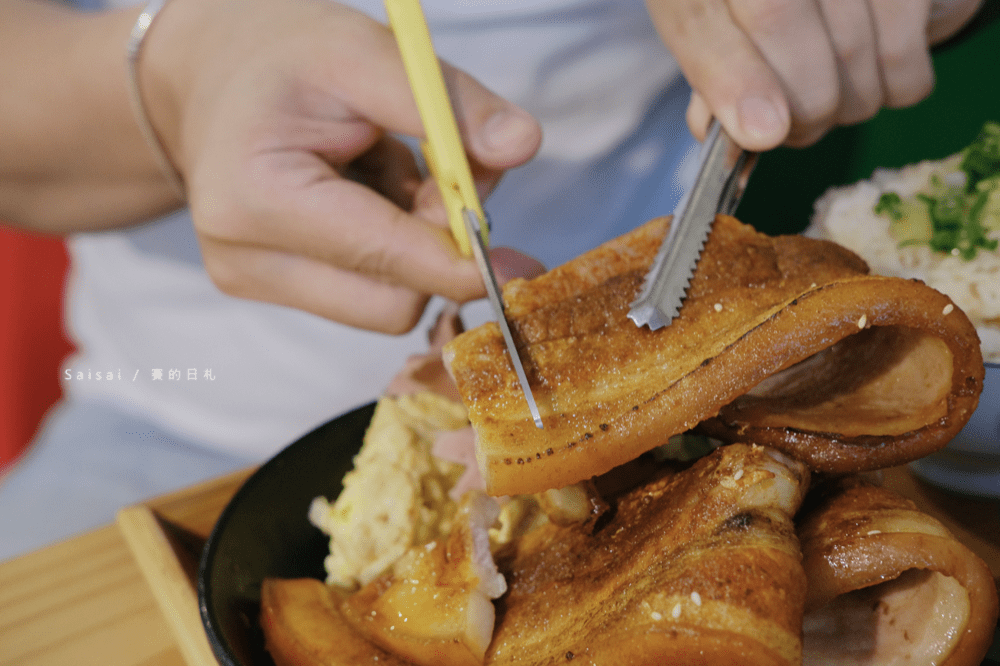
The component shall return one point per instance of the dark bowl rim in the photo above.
(220, 647)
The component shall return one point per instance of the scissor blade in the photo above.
(473, 228)
(722, 177)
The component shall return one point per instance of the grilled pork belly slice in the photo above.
(434, 608)
(304, 627)
(784, 341)
(889, 584)
(695, 567)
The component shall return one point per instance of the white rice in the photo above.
(845, 215)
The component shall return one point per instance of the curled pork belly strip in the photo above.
(694, 567)
(785, 341)
(434, 606)
(889, 584)
(303, 626)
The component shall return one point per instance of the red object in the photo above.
(33, 343)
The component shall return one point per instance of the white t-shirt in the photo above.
(250, 377)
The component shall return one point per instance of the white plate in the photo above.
(970, 463)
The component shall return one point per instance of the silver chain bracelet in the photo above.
(133, 52)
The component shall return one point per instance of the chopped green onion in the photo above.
(956, 212)
(890, 204)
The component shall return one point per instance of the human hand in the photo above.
(279, 115)
(787, 71)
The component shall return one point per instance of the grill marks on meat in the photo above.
(797, 318)
(696, 567)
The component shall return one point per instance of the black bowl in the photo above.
(264, 531)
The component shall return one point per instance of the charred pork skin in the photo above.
(698, 567)
(785, 341)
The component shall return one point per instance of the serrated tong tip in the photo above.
(722, 177)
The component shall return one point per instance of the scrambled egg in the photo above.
(396, 497)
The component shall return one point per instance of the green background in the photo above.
(786, 181)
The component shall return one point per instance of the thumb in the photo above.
(752, 124)
(497, 133)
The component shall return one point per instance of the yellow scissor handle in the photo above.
(442, 148)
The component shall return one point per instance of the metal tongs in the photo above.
(448, 163)
(722, 178)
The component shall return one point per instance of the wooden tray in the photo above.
(166, 536)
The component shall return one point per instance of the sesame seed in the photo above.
(739, 474)
(656, 616)
(676, 612)
(696, 598)
(874, 532)
(948, 309)
(718, 307)
(862, 321)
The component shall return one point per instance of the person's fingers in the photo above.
(509, 263)
(350, 226)
(300, 193)
(726, 69)
(901, 31)
(314, 286)
(852, 31)
(390, 168)
(950, 16)
(497, 133)
(306, 71)
(792, 38)
(327, 291)
(699, 116)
